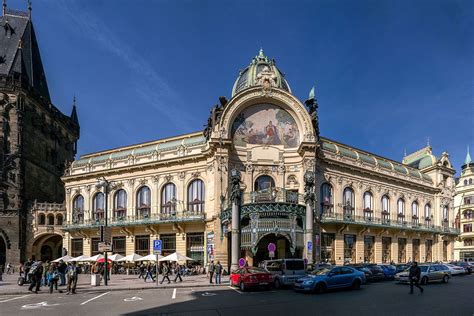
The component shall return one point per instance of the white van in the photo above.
(285, 271)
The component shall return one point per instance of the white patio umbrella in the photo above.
(132, 257)
(115, 257)
(175, 257)
(80, 258)
(96, 257)
(150, 257)
(65, 258)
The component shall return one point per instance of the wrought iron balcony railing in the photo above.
(272, 195)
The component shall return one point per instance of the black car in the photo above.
(362, 268)
(377, 272)
(466, 265)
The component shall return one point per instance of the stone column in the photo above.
(235, 196)
(309, 223)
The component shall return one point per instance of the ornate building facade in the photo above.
(259, 174)
(464, 208)
(36, 139)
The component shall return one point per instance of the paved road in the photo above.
(385, 298)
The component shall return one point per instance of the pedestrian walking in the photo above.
(71, 272)
(149, 272)
(53, 277)
(9, 268)
(166, 272)
(211, 270)
(35, 273)
(218, 269)
(179, 272)
(142, 271)
(414, 276)
(62, 272)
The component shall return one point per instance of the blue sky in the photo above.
(388, 74)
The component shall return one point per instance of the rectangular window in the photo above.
(429, 250)
(195, 246)
(467, 228)
(386, 249)
(350, 248)
(402, 254)
(467, 242)
(416, 250)
(95, 246)
(168, 242)
(142, 245)
(445, 250)
(327, 247)
(118, 245)
(369, 249)
(77, 247)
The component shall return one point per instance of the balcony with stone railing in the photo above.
(139, 219)
(47, 217)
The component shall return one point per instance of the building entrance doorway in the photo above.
(282, 249)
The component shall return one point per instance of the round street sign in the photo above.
(271, 247)
(241, 262)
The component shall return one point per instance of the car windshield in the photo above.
(256, 270)
(321, 271)
(424, 268)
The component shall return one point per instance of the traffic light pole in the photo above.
(106, 193)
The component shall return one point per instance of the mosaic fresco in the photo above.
(265, 124)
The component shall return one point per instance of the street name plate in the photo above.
(105, 246)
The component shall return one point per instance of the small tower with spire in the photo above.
(468, 161)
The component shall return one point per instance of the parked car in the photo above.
(429, 273)
(251, 277)
(389, 271)
(365, 270)
(402, 267)
(285, 271)
(330, 278)
(377, 272)
(468, 267)
(455, 270)
(316, 266)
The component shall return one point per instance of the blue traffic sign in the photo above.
(310, 245)
(157, 244)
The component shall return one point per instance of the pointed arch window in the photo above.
(168, 199)
(143, 202)
(414, 212)
(348, 202)
(326, 199)
(120, 204)
(368, 205)
(78, 209)
(196, 196)
(98, 207)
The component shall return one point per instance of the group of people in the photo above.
(149, 272)
(47, 274)
(216, 271)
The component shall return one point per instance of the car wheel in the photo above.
(356, 284)
(424, 280)
(242, 286)
(319, 288)
(277, 284)
(445, 278)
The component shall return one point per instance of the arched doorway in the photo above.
(47, 247)
(283, 248)
(3, 252)
(46, 253)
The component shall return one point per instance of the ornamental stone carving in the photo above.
(309, 197)
(236, 192)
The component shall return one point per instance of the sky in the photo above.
(389, 75)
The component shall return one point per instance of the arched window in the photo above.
(42, 219)
(414, 212)
(143, 202)
(445, 216)
(196, 196)
(168, 199)
(468, 214)
(348, 201)
(385, 209)
(120, 204)
(465, 181)
(368, 205)
(401, 209)
(50, 219)
(470, 181)
(59, 219)
(427, 212)
(264, 183)
(326, 198)
(78, 209)
(98, 206)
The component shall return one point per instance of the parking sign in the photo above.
(157, 246)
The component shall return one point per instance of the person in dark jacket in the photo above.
(35, 273)
(166, 272)
(178, 273)
(415, 276)
(211, 270)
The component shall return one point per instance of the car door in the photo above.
(334, 278)
(346, 276)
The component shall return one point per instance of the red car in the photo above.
(248, 277)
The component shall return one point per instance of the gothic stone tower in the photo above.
(36, 139)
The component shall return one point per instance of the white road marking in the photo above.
(174, 294)
(133, 299)
(15, 298)
(208, 294)
(83, 303)
(235, 289)
(38, 305)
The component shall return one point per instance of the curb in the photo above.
(105, 289)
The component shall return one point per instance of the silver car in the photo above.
(429, 273)
(285, 271)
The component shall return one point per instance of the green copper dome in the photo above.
(261, 72)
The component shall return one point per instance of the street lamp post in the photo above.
(103, 183)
